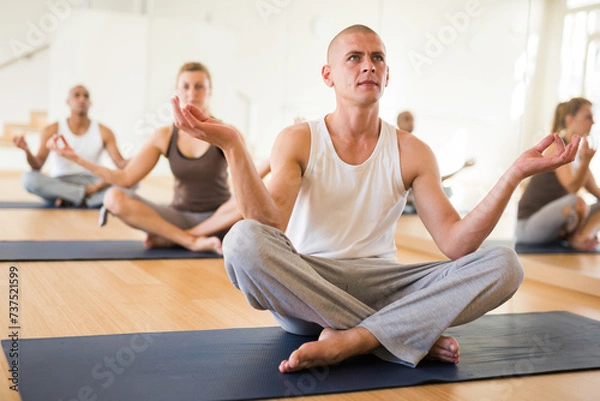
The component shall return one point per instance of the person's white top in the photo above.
(88, 145)
(348, 211)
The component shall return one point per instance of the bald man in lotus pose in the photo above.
(317, 246)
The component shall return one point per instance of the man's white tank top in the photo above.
(89, 146)
(348, 211)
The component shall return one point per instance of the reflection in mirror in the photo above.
(567, 65)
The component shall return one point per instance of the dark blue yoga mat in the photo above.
(241, 364)
(38, 205)
(554, 247)
(14, 251)
(520, 248)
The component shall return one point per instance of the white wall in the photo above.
(26, 26)
(23, 23)
(543, 94)
(23, 88)
(111, 67)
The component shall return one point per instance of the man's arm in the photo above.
(110, 144)
(272, 206)
(36, 162)
(457, 237)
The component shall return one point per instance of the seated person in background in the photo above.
(69, 183)
(550, 209)
(406, 122)
(316, 247)
(202, 205)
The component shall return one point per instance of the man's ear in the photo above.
(387, 75)
(326, 75)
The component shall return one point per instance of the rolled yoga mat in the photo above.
(15, 251)
(241, 364)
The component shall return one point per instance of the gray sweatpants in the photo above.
(70, 188)
(406, 307)
(549, 224)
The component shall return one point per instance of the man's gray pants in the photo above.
(406, 307)
(69, 187)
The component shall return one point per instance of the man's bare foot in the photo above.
(62, 203)
(156, 241)
(445, 349)
(333, 346)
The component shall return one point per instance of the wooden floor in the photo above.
(109, 297)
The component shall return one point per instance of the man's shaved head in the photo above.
(405, 121)
(77, 88)
(351, 29)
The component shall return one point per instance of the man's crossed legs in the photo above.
(399, 312)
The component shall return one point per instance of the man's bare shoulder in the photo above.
(293, 143)
(294, 138)
(106, 133)
(416, 158)
(53, 125)
(410, 143)
(299, 131)
(50, 129)
(104, 128)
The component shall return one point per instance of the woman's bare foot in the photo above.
(156, 241)
(333, 346)
(582, 243)
(199, 244)
(207, 244)
(445, 349)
